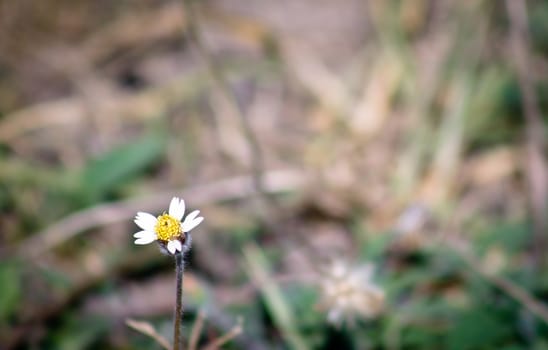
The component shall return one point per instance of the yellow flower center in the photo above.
(167, 227)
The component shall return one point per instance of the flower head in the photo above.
(348, 292)
(167, 229)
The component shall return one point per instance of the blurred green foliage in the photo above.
(120, 165)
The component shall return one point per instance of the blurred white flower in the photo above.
(167, 229)
(348, 293)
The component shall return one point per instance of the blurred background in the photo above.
(372, 173)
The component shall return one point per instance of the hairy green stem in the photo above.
(178, 317)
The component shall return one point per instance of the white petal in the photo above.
(145, 240)
(145, 221)
(178, 245)
(177, 208)
(173, 245)
(192, 215)
(142, 234)
(189, 225)
(189, 219)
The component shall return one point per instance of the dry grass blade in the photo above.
(196, 330)
(234, 332)
(147, 329)
(536, 167)
(513, 290)
(223, 90)
(233, 188)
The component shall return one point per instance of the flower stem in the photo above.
(178, 317)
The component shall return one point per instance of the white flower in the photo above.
(167, 229)
(349, 292)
